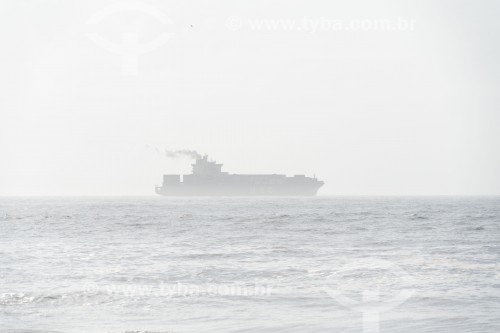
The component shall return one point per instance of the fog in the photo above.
(94, 92)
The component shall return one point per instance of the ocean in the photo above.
(320, 264)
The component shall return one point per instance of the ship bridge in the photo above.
(204, 167)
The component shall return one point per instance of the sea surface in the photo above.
(324, 264)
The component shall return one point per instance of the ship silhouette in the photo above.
(208, 179)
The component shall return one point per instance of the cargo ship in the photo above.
(208, 179)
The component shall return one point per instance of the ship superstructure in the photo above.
(208, 179)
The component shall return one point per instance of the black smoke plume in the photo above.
(193, 154)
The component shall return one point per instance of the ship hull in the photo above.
(221, 190)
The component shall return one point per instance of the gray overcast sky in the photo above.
(406, 111)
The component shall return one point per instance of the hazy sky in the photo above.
(406, 111)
